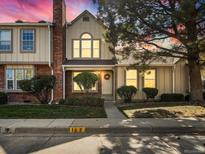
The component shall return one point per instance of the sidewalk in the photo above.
(98, 126)
(112, 111)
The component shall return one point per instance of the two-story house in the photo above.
(66, 49)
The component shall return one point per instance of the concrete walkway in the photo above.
(112, 111)
(61, 126)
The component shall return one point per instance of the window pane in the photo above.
(9, 74)
(96, 53)
(10, 84)
(19, 75)
(76, 48)
(5, 40)
(96, 44)
(150, 79)
(86, 36)
(28, 74)
(131, 78)
(86, 48)
(5, 35)
(27, 39)
(131, 83)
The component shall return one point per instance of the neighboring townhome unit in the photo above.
(24, 52)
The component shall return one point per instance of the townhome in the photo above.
(66, 49)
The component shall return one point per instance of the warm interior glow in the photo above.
(75, 85)
(86, 48)
(131, 78)
(86, 36)
(149, 79)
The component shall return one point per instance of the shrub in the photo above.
(127, 92)
(40, 87)
(150, 92)
(3, 98)
(172, 97)
(86, 80)
(83, 101)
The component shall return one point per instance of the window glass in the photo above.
(86, 36)
(131, 78)
(75, 85)
(14, 76)
(86, 48)
(150, 79)
(96, 48)
(76, 48)
(27, 40)
(5, 40)
(10, 79)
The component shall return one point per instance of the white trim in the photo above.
(25, 24)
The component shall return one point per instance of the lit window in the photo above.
(131, 78)
(27, 40)
(86, 47)
(77, 88)
(150, 79)
(15, 75)
(5, 40)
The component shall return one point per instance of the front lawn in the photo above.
(50, 112)
(176, 111)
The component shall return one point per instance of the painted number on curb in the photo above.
(77, 129)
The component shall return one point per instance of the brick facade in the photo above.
(59, 35)
(2, 77)
(69, 84)
(22, 96)
(42, 70)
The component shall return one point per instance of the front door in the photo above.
(107, 82)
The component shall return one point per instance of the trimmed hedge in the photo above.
(176, 97)
(127, 92)
(150, 92)
(83, 101)
(3, 98)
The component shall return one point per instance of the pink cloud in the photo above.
(35, 10)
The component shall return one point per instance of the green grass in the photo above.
(50, 112)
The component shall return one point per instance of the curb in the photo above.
(113, 130)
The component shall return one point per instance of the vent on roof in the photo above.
(42, 21)
(19, 21)
(86, 19)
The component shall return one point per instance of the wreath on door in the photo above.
(107, 76)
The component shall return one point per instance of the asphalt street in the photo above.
(102, 144)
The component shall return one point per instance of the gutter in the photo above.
(49, 60)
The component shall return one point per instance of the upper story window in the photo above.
(86, 47)
(150, 78)
(6, 40)
(86, 19)
(28, 40)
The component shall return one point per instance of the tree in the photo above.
(40, 87)
(151, 30)
(86, 80)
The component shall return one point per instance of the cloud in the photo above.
(35, 10)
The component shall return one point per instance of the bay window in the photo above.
(6, 40)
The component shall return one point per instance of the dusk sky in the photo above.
(36, 10)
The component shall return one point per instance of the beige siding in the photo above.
(181, 77)
(93, 27)
(164, 79)
(41, 53)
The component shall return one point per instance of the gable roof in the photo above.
(86, 12)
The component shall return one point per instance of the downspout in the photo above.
(49, 56)
(173, 78)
